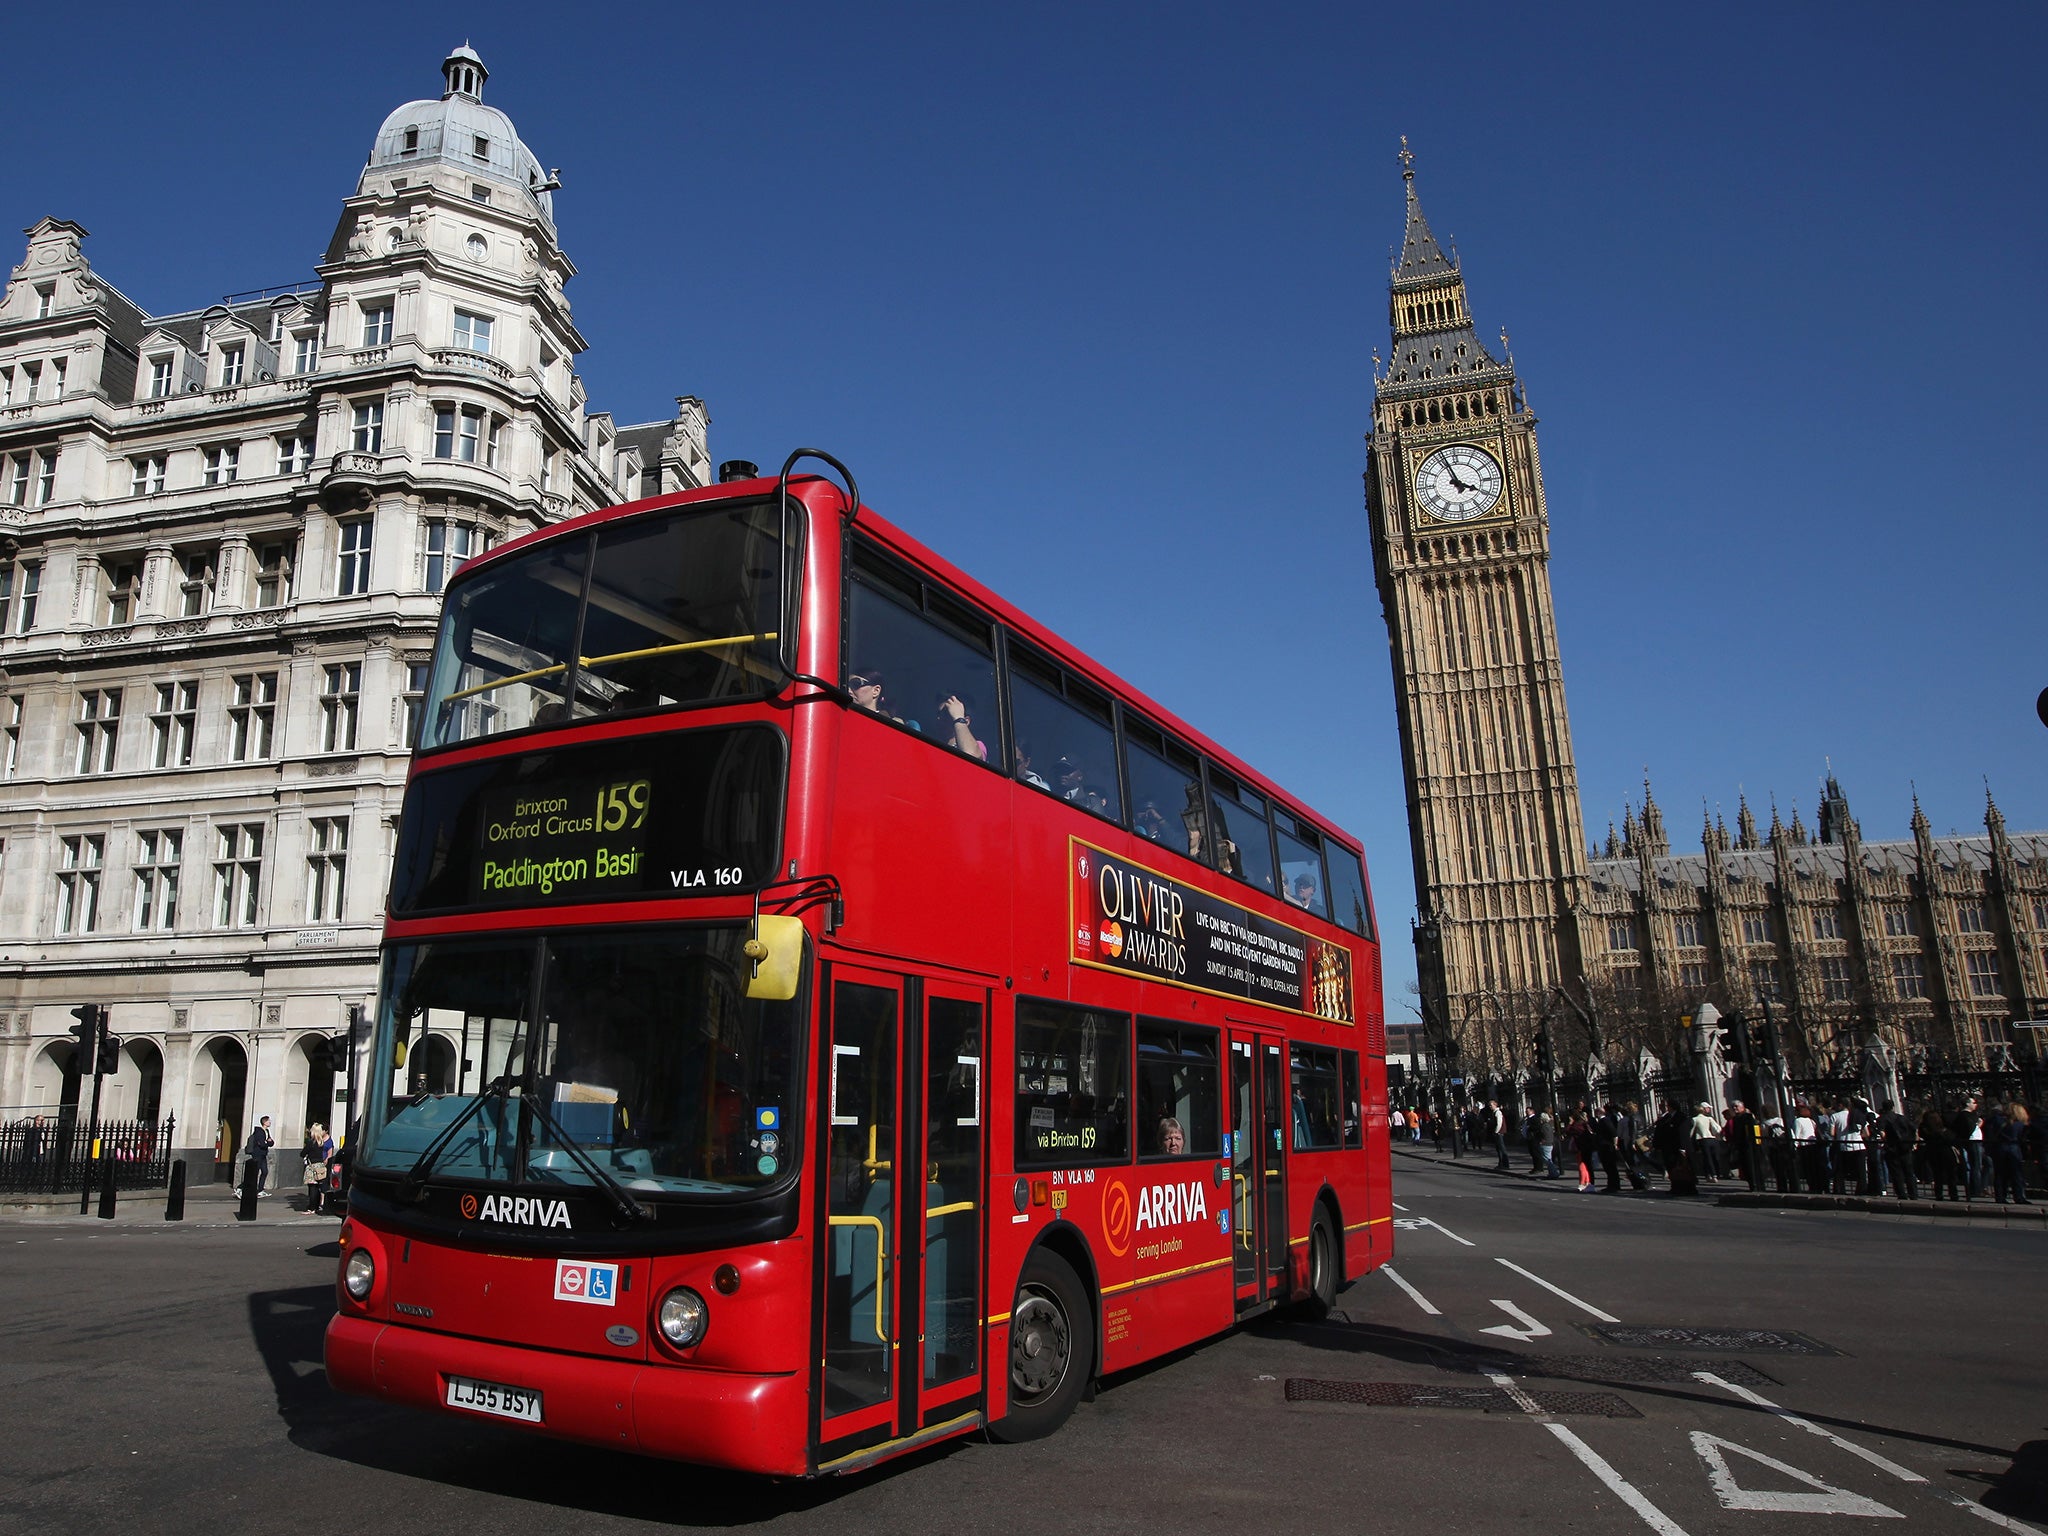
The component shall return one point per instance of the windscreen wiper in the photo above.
(622, 1199)
(412, 1186)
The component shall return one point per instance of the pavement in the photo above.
(204, 1204)
(1731, 1193)
(1604, 1366)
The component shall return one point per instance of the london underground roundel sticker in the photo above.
(1116, 1217)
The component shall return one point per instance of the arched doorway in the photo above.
(228, 1067)
(146, 1065)
(434, 1065)
(53, 1078)
(309, 1061)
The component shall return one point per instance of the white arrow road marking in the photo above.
(1530, 1329)
(1414, 1295)
(1556, 1291)
(1826, 1499)
(1903, 1474)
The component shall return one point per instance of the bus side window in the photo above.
(1166, 790)
(1180, 1092)
(1354, 1118)
(1347, 892)
(1318, 1118)
(1073, 1102)
(932, 656)
(1244, 845)
(1301, 863)
(1064, 741)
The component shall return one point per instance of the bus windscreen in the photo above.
(643, 613)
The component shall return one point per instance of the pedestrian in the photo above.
(1778, 1153)
(34, 1139)
(315, 1154)
(1607, 1146)
(2006, 1132)
(1497, 1129)
(258, 1152)
(1944, 1158)
(1808, 1158)
(1898, 1138)
(1705, 1146)
(1530, 1144)
(1967, 1126)
(1667, 1140)
(1546, 1143)
(1436, 1132)
(1579, 1138)
(1396, 1124)
(1849, 1172)
(1743, 1137)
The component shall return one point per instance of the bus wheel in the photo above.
(1322, 1267)
(1052, 1348)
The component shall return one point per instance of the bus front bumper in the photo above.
(714, 1418)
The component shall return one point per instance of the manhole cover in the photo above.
(1745, 1341)
(1636, 1370)
(1401, 1394)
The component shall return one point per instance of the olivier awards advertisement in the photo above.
(1128, 918)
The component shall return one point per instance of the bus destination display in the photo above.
(1133, 919)
(566, 838)
(683, 813)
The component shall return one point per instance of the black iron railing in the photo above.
(54, 1153)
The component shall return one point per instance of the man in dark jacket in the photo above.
(1607, 1143)
(1967, 1126)
(1745, 1138)
(258, 1152)
(1897, 1133)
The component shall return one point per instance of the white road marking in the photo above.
(1990, 1514)
(1413, 1223)
(1618, 1485)
(1826, 1499)
(1591, 1311)
(1400, 1207)
(1903, 1474)
(1530, 1329)
(1414, 1295)
(1522, 1399)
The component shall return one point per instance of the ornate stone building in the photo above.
(1937, 944)
(223, 536)
(1461, 550)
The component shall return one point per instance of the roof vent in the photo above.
(738, 469)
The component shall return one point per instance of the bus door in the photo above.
(900, 1121)
(1258, 1170)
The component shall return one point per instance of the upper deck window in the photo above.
(923, 659)
(1243, 846)
(1166, 790)
(1066, 743)
(681, 609)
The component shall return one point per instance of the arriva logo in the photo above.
(522, 1211)
(1168, 1205)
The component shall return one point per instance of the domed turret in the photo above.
(459, 134)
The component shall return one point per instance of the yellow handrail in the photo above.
(600, 661)
(933, 1211)
(881, 1245)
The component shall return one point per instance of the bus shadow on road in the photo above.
(288, 1328)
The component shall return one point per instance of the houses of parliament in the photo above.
(1936, 944)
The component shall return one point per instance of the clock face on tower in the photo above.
(1458, 483)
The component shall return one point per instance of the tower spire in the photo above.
(1421, 256)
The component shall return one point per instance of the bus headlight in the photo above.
(359, 1274)
(682, 1316)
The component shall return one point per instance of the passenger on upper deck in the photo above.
(1074, 787)
(956, 727)
(866, 688)
(1303, 891)
(1024, 769)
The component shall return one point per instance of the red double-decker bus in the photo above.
(823, 1013)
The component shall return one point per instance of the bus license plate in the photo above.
(522, 1403)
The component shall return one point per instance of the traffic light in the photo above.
(1737, 1028)
(332, 1053)
(108, 1059)
(87, 1030)
(1546, 1061)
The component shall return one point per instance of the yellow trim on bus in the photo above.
(929, 1432)
(1171, 1274)
(1373, 1222)
(933, 1211)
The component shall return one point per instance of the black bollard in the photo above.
(247, 1210)
(174, 1202)
(106, 1189)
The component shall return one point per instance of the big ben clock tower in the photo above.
(1461, 550)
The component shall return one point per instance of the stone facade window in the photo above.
(366, 427)
(171, 724)
(414, 699)
(46, 477)
(449, 544)
(1765, 982)
(10, 735)
(123, 593)
(157, 855)
(99, 729)
(23, 617)
(252, 716)
(352, 571)
(231, 361)
(377, 325)
(340, 697)
(1909, 975)
(326, 867)
(294, 454)
(221, 464)
(1827, 923)
(237, 874)
(1757, 927)
(78, 882)
(472, 331)
(273, 574)
(195, 587)
(1621, 933)
(305, 352)
(458, 434)
(1834, 978)
(1971, 918)
(146, 475)
(1686, 930)
(1900, 920)
(160, 381)
(1982, 965)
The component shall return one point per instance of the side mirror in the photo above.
(777, 950)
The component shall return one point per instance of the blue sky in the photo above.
(1087, 296)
